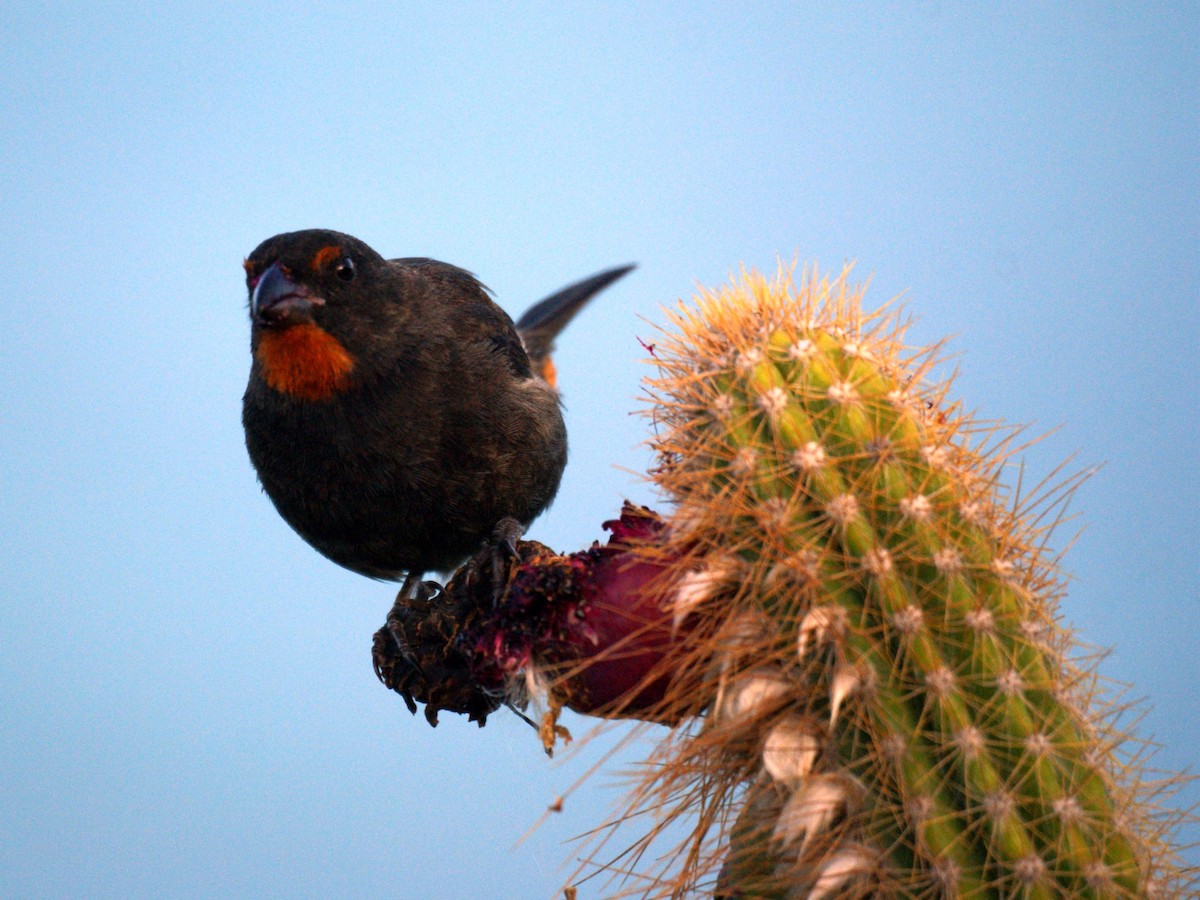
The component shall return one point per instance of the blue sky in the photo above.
(188, 707)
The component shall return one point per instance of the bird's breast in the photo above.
(304, 361)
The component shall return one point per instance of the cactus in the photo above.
(893, 708)
(848, 620)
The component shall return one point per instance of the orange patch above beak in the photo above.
(304, 361)
(326, 254)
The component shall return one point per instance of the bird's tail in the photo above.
(542, 322)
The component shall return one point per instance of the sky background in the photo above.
(187, 706)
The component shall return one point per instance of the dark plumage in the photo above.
(394, 413)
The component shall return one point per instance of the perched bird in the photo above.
(395, 414)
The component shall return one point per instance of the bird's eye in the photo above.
(345, 269)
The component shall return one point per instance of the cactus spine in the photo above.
(894, 709)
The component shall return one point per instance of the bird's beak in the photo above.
(277, 300)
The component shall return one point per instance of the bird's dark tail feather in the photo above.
(542, 322)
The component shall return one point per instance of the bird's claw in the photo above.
(417, 654)
(496, 555)
(504, 552)
(506, 535)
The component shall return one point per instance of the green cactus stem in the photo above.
(894, 708)
(848, 621)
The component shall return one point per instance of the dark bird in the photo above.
(395, 415)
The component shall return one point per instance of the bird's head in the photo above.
(303, 287)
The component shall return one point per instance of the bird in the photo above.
(395, 415)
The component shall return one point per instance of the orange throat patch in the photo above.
(304, 361)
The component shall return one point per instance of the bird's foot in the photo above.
(503, 547)
(412, 604)
(398, 665)
(417, 654)
(495, 559)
